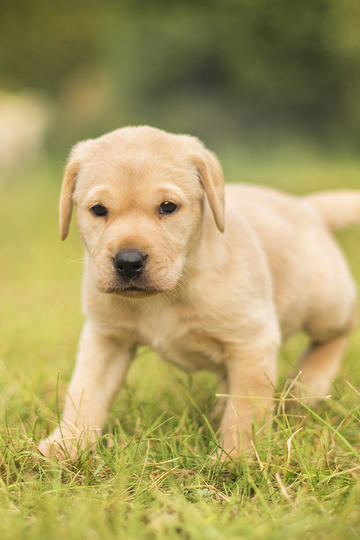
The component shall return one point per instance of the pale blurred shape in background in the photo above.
(24, 118)
(236, 73)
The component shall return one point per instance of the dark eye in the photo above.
(167, 207)
(99, 210)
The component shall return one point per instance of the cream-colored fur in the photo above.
(220, 291)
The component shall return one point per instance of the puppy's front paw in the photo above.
(60, 445)
(226, 454)
(233, 447)
(64, 444)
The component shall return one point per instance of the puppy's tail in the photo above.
(337, 208)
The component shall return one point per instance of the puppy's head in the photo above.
(140, 195)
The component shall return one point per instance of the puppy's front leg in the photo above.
(251, 379)
(100, 370)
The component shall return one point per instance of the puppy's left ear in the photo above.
(212, 179)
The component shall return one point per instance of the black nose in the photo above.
(129, 263)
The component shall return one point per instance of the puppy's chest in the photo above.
(186, 342)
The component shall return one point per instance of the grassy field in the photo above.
(152, 476)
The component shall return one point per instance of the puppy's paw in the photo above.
(66, 445)
(234, 448)
(226, 455)
(59, 445)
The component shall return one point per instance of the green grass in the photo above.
(152, 476)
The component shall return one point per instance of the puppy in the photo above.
(165, 266)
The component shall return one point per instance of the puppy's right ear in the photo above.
(68, 188)
(66, 197)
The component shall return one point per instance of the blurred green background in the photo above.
(236, 73)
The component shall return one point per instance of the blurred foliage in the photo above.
(219, 69)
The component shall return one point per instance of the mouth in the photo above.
(132, 291)
(135, 292)
(133, 288)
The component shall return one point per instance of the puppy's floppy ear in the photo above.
(66, 202)
(67, 189)
(212, 179)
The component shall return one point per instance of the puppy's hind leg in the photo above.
(222, 391)
(319, 363)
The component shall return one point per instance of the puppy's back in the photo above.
(307, 266)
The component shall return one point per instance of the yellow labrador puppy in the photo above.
(166, 266)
